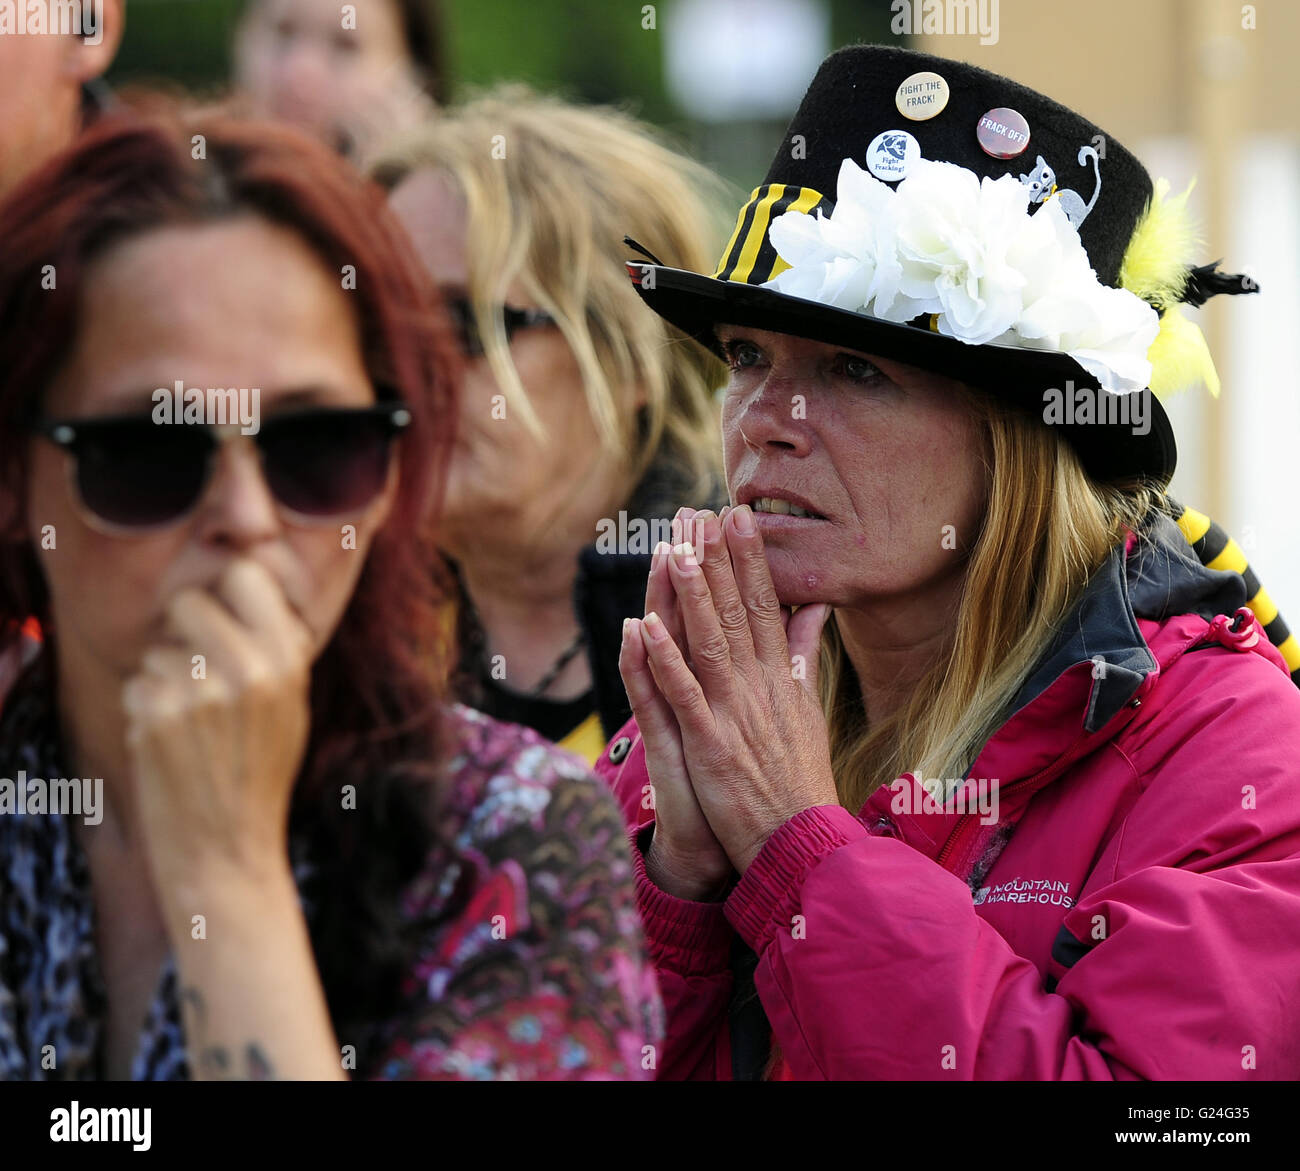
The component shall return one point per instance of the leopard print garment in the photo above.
(533, 966)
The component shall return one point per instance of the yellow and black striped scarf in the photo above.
(1217, 550)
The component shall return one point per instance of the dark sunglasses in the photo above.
(132, 474)
(463, 320)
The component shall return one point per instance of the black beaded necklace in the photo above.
(476, 647)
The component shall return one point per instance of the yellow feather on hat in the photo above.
(1156, 265)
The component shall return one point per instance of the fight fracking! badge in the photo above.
(922, 96)
(1002, 133)
(892, 154)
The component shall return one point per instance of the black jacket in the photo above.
(611, 585)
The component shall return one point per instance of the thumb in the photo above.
(804, 636)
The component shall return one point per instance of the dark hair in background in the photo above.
(377, 688)
(426, 40)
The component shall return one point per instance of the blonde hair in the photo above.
(1062, 525)
(551, 190)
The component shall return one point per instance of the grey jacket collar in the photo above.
(1162, 577)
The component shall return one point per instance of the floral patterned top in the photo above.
(534, 966)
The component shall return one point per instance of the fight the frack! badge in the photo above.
(922, 96)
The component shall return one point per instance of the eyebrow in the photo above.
(307, 394)
(299, 396)
(724, 333)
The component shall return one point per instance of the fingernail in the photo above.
(707, 528)
(662, 549)
(654, 628)
(627, 625)
(685, 560)
(745, 520)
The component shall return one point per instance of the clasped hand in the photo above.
(722, 680)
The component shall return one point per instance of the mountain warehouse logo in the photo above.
(1026, 890)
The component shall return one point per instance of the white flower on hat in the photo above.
(1067, 310)
(966, 250)
(836, 259)
(954, 232)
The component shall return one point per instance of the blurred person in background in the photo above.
(577, 406)
(50, 88)
(242, 645)
(349, 82)
(49, 84)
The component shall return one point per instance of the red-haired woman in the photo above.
(290, 855)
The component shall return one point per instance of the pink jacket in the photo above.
(1134, 911)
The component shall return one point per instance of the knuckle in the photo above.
(168, 705)
(732, 616)
(186, 602)
(301, 643)
(258, 677)
(712, 652)
(243, 570)
(638, 696)
(694, 703)
(697, 588)
(212, 698)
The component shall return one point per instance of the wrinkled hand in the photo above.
(685, 858)
(753, 741)
(215, 757)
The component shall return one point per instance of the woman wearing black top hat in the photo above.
(942, 735)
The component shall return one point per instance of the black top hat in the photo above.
(892, 113)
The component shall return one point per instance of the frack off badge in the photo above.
(892, 154)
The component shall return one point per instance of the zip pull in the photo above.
(1240, 632)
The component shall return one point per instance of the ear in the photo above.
(85, 60)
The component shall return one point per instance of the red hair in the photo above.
(378, 687)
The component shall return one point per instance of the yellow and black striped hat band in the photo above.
(749, 257)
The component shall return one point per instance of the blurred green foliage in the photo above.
(183, 42)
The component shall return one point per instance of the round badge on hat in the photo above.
(892, 154)
(1002, 133)
(921, 96)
